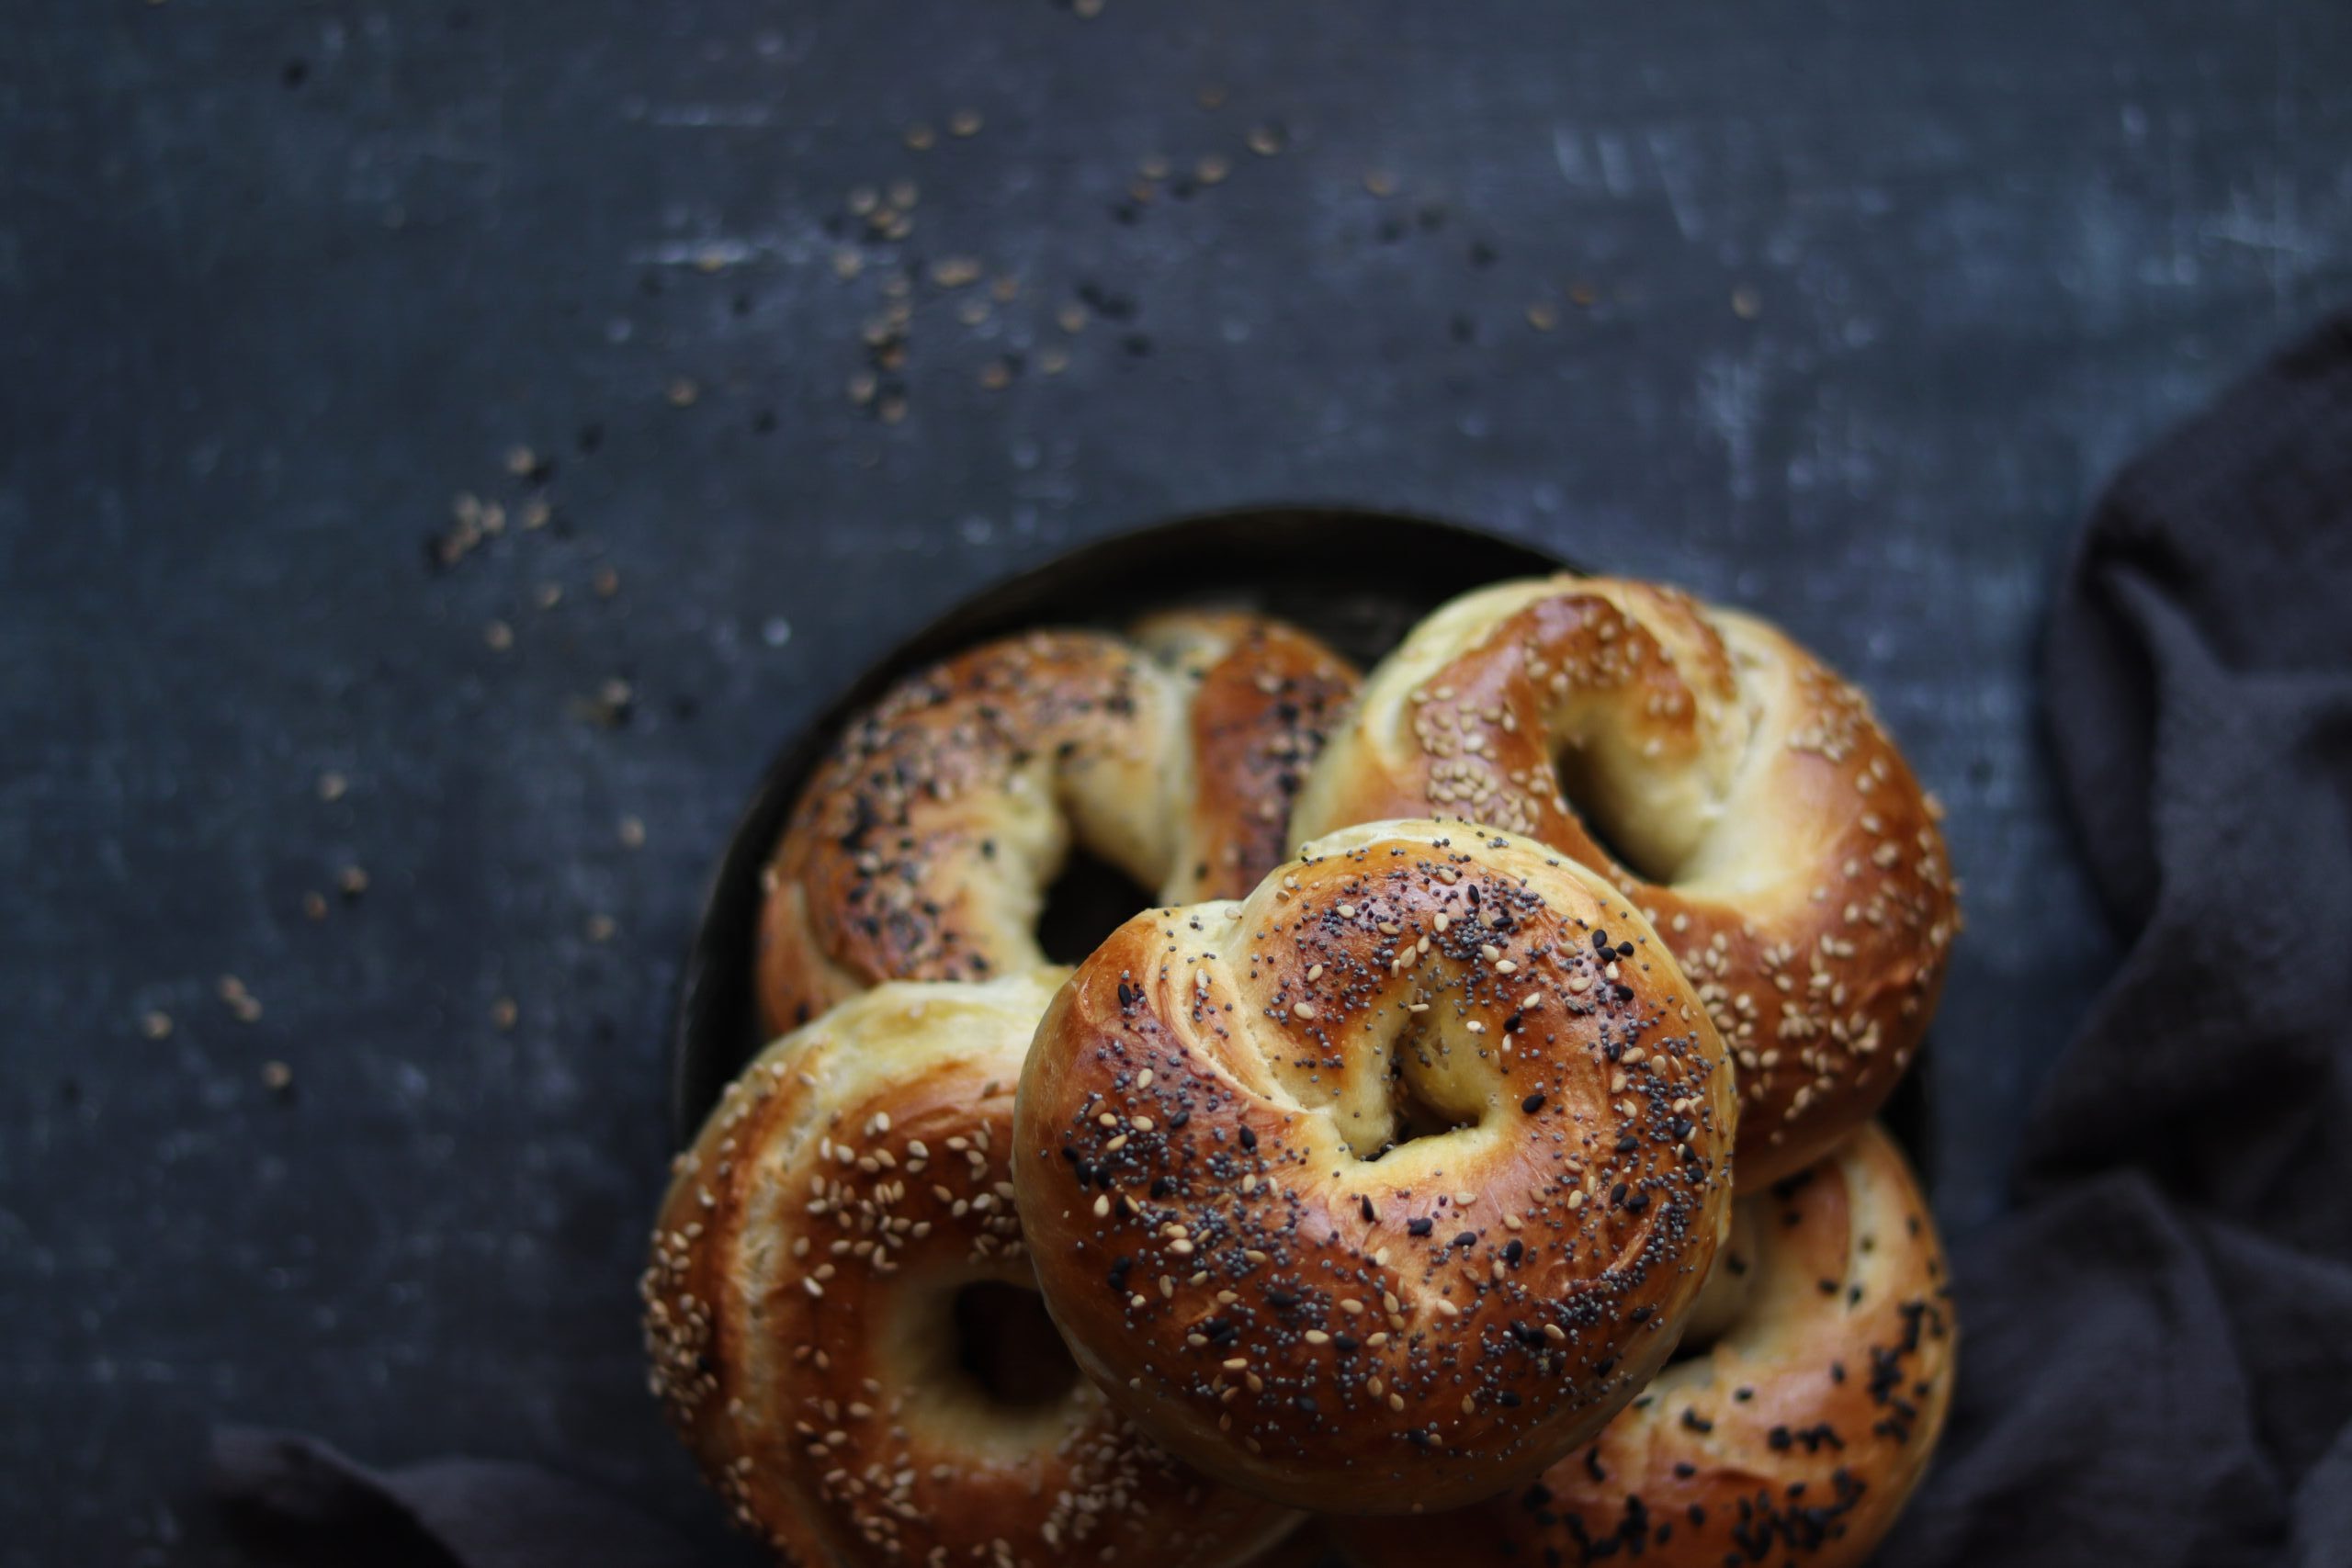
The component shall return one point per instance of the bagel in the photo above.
(921, 849)
(1797, 1436)
(842, 1324)
(1772, 832)
(1384, 1187)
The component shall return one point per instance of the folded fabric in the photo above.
(2156, 1362)
(294, 1499)
(2157, 1366)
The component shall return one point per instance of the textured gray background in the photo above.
(279, 281)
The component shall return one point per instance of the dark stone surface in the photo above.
(279, 281)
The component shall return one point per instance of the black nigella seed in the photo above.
(1624, 992)
(1601, 942)
(1531, 1104)
(1628, 1144)
(1617, 1193)
(1249, 1139)
(1624, 950)
(1515, 1250)
(1419, 1227)
(1637, 1202)
(1468, 1238)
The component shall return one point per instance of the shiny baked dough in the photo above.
(1797, 1436)
(921, 849)
(800, 1314)
(1385, 1186)
(1777, 839)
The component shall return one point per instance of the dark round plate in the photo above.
(1359, 580)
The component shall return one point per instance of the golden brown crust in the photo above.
(801, 1313)
(920, 849)
(1245, 1241)
(1797, 870)
(1267, 694)
(1796, 1437)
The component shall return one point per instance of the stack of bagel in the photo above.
(1472, 1153)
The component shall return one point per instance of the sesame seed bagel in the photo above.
(1779, 843)
(1384, 1187)
(922, 847)
(1796, 1437)
(835, 1313)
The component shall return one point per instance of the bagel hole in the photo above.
(1413, 1113)
(1723, 1300)
(1703, 1331)
(1007, 1345)
(1574, 770)
(1086, 901)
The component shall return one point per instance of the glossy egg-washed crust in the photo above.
(1799, 875)
(1796, 1437)
(922, 847)
(1245, 1241)
(799, 1325)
